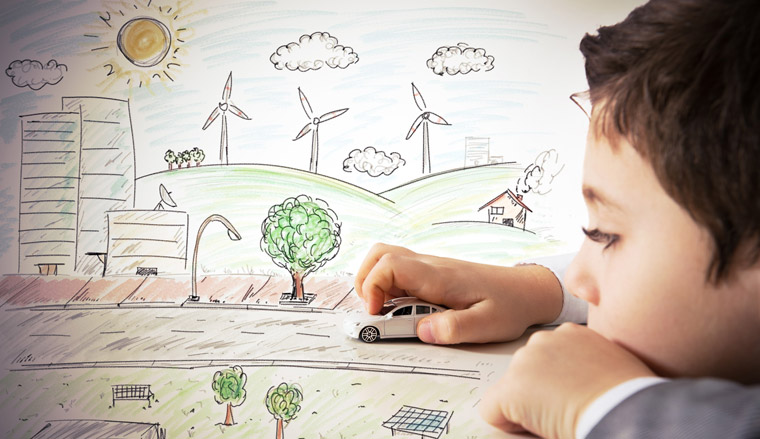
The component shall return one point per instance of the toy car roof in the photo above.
(402, 301)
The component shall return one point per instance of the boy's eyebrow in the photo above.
(594, 196)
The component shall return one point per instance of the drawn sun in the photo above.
(138, 43)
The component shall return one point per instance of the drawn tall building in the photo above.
(50, 154)
(97, 169)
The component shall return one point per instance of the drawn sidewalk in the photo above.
(216, 291)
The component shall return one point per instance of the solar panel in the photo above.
(415, 420)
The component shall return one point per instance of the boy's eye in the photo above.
(597, 235)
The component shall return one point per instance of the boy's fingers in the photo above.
(392, 276)
(472, 325)
(373, 256)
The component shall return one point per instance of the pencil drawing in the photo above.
(32, 74)
(373, 162)
(139, 280)
(313, 127)
(423, 119)
(224, 105)
(312, 52)
(462, 58)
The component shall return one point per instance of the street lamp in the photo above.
(231, 232)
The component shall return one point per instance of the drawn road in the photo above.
(191, 338)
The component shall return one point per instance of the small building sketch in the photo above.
(418, 421)
(76, 165)
(476, 151)
(147, 238)
(96, 429)
(507, 209)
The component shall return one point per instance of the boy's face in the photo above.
(642, 270)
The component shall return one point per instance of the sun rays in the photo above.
(140, 43)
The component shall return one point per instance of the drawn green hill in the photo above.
(436, 214)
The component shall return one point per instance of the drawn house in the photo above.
(507, 209)
(76, 165)
(142, 241)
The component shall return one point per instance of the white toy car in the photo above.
(397, 319)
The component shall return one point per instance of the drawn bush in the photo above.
(185, 157)
(300, 235)
(284, 402)
(229, 387)
(170, 158)
(197, 155)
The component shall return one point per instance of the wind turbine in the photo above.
(423, 119)
(314, 124)
(224, 106)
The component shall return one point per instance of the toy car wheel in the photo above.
(369, 334)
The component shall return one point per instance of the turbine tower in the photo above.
(423, 119)
(224, 106)
(313, 126)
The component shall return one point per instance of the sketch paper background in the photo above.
(514, 101)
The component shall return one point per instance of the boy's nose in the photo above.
(580, 279)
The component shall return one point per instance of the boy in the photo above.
(670, 271)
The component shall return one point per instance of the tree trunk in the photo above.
(280, 432)
(228, 420)
(170, 166)
(297, 286)
(179, 165)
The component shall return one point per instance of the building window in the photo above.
(497, 210)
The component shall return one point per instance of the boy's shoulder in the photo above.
(694, 408)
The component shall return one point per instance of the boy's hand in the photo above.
(554, 377)
(488, 303)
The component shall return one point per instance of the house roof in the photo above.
(509, 194)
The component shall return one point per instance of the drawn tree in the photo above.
(284, 402)
(185, 157)
(229, 387)
(170, 158)
(300, 235)
(197, 155)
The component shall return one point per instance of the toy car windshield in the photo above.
(387, 307)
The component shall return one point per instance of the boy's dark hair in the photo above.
(680, 79)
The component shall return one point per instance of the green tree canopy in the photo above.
(301, 234)
(229, 386)
(170, 157)
(284, 401)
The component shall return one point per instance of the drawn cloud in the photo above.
(459, 59)
(32, 74)
(538, 177)
(313, 51)
(373, 162)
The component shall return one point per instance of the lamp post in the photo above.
(231, 232)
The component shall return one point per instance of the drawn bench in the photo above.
(131, 392)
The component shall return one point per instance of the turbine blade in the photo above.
(436, 119)
(418, 98)
(332, 115)
(305, 104)
(238, 112)
(304, 131)
(415, 125)
(227, 88)
(211, 118)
